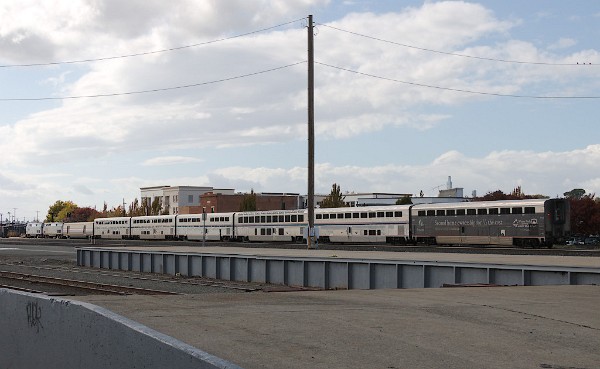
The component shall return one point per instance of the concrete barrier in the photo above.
(37, 331)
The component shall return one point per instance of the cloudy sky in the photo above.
(101, 97)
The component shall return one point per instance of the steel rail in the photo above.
(93, 286)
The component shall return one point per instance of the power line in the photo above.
(456, 89)
(156, 89)
(149, 52)
(451, 53)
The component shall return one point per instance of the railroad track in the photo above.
(94, 287)
(144, 277)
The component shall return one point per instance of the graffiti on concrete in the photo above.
(34, 316)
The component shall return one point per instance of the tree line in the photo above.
(68, 211)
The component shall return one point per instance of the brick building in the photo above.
(224, 203)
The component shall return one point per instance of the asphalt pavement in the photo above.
(555, 327)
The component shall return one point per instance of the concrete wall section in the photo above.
(42, 332)
(338, 273)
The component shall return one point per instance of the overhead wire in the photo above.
(454, 89)
(450, 53)
(287, 66)
(150, 52)
(155, 89)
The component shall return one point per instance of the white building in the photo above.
(173, 197)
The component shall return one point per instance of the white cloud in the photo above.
(548, 173)
(171, 160)
(562, 43)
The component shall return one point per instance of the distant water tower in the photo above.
(449, 183)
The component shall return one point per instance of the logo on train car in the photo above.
(520, 223)
(470, 223)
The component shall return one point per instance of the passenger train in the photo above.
(523, 223)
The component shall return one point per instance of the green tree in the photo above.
(248, 202)
(405, 200)
(156, 206)
(576, 193)
(65, 213)
(56, 213)
(335, 199)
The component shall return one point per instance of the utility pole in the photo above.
(311, 135)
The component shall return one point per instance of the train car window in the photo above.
(460, 211)
(430, 213)
(251, 220)
(421, 213)
(240, 219)
(287, 218)
(263, 219)
(268, 231)
(380, 214)
(389, 214)
(281, 231)
(348, 215)
(504, 210)
(301, 218)
(363, 215)
(269, 219)
(440, 213)
(529, 210)
(451, 212)
(355, 215)
(263, 232)
(379, 232)
(365, 232)
(340, 216)
(482, 211)
(398, 214)
(372, 232)
(372, 215)
(517, 210)
(294, 218)
(493, 211)
(471, 211)
(325, 216)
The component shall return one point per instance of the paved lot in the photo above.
(555, 327)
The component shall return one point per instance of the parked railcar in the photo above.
(211, 227)
(534, 223)
(270, 226)
(78, 230)
(157, 227)
(52, 229)
(373, 224)
(113, 228)
(34, 229)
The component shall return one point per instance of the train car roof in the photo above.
(480, 204)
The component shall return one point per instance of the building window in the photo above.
(191, 199)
